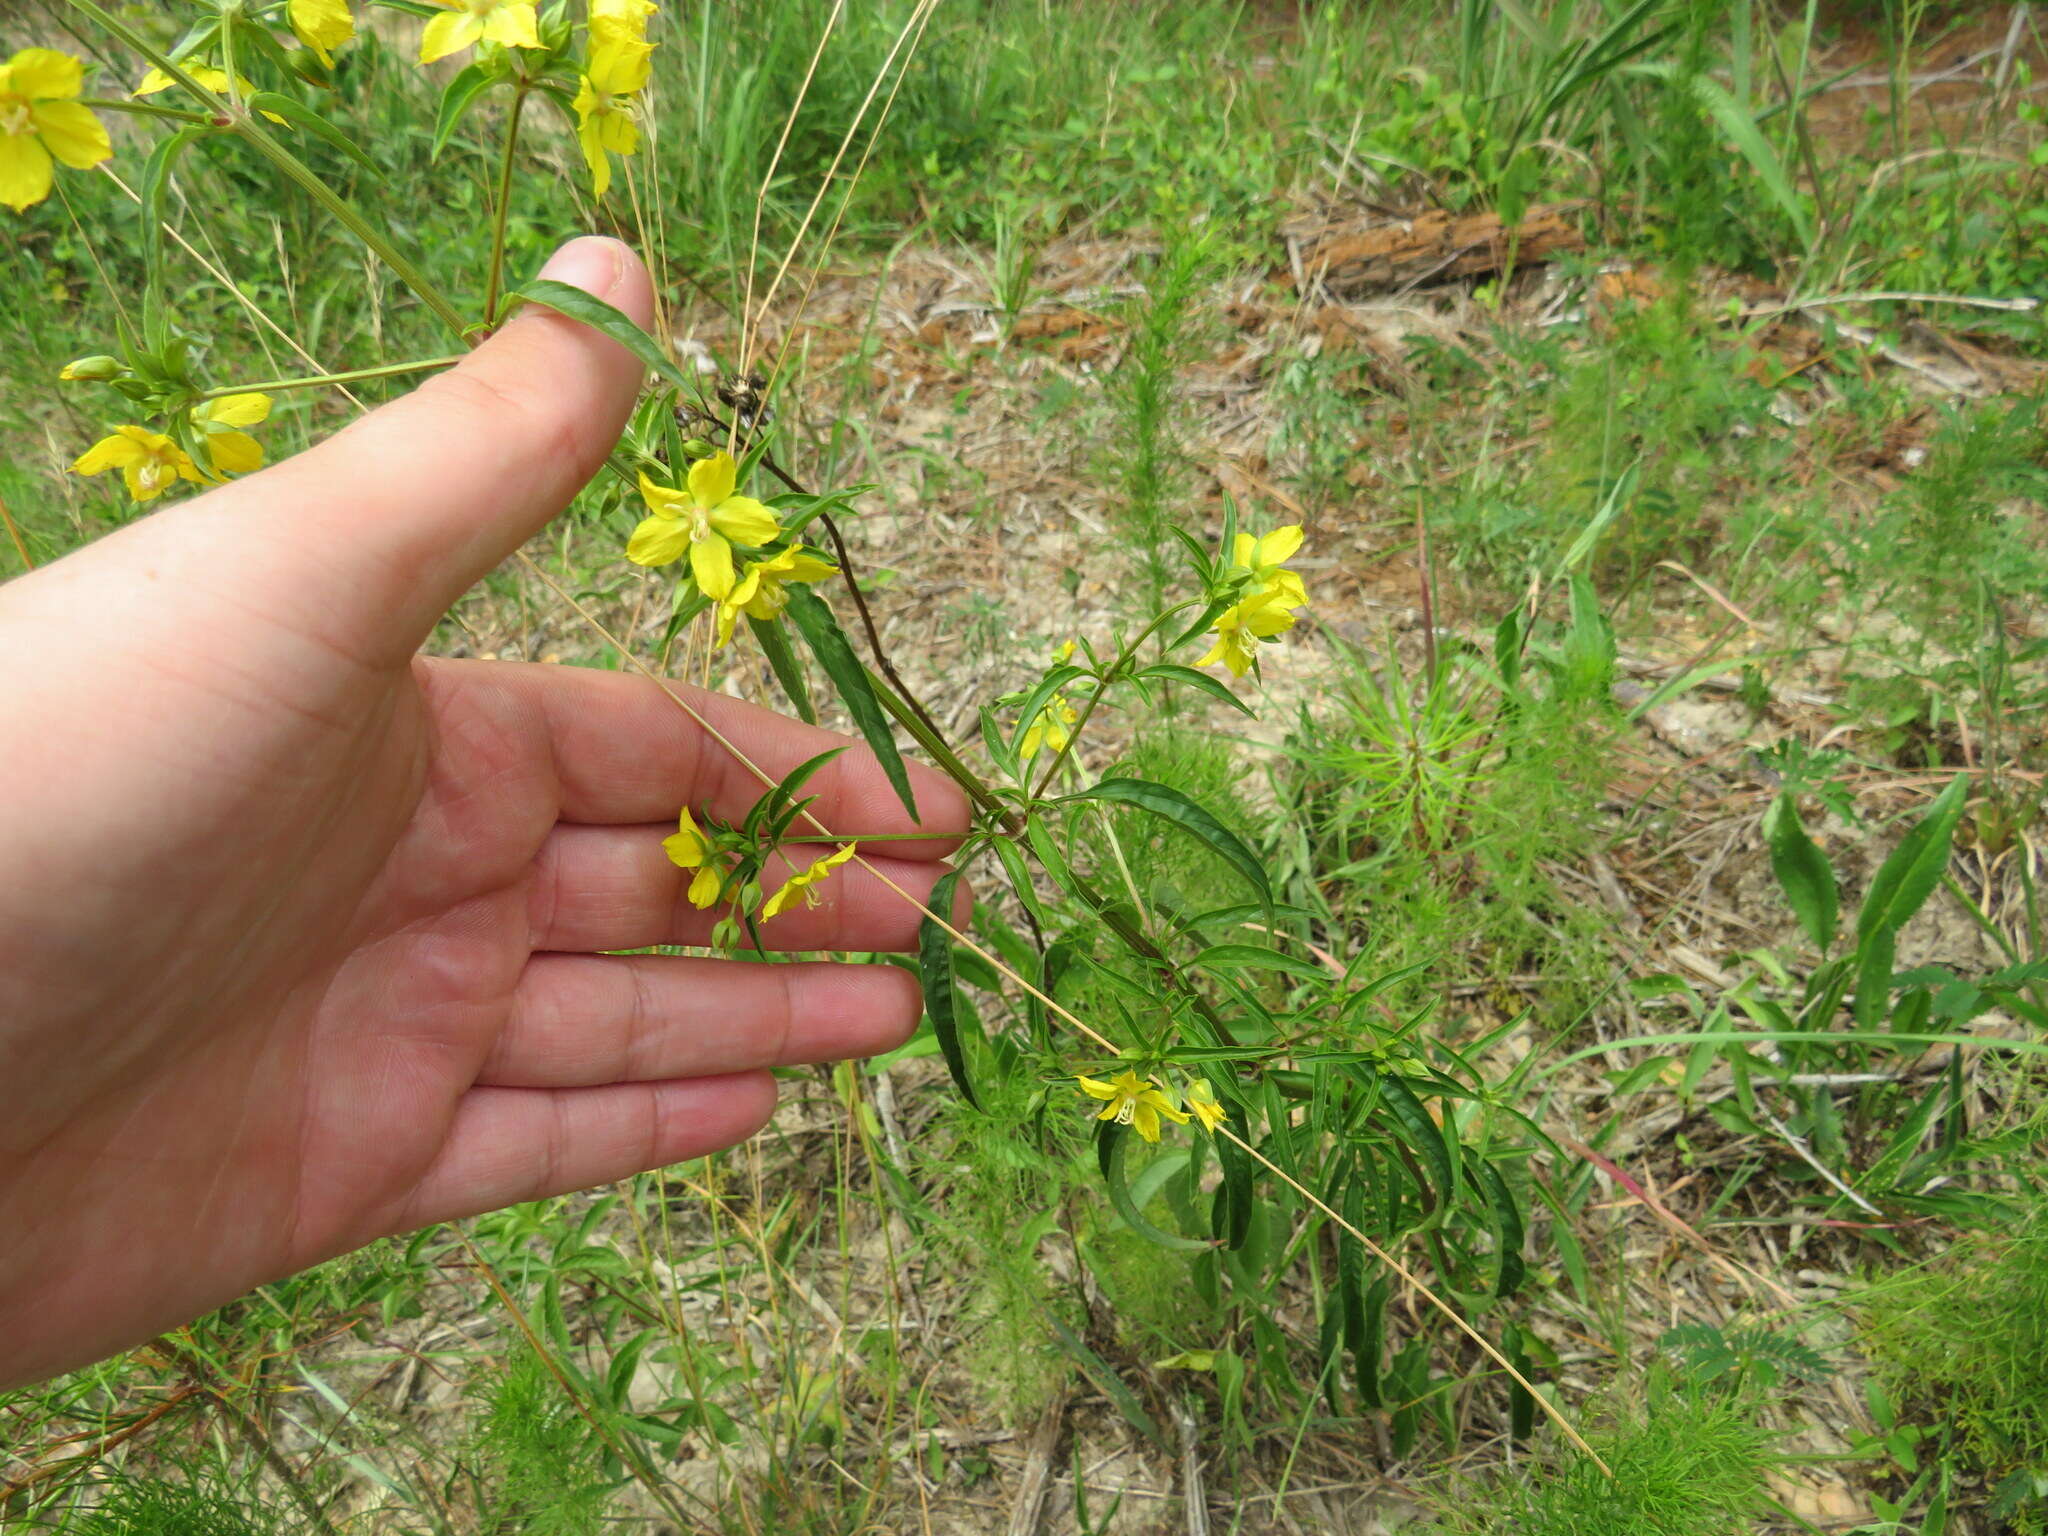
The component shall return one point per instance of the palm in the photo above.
(312, 947)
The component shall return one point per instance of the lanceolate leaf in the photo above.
(600, 316)
(935, 975)
(1173, 806)
(1909, 876)
(300, 115)
(1417, 1132)
(457, 98)
(1507, 1225)
(1111, 1141)
(828, 642)
(1201, 682)
(789, 670)
(1240, 957)
(1802, 871)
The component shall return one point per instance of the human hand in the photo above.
(300, 932)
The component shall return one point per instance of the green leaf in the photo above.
(1201, 682)
(1036, 700)
(302, 116)
(828, 642)
(1906, 879)
(935, 975)
(1242, 957)
(1111, 1141)
(457, 98)
(1802, 871)
(1173, 806)
(789, 670)
(1507, 1225)
(600, 316)
(1756, 149)
(1419, 1133)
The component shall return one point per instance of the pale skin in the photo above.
(302, 934)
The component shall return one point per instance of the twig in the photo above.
(1029, 1509)
(1892, 296)
(1193, 1493)
(1805, 1154)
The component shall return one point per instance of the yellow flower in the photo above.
(150, 462)
(469, 22)
(604, 106)
(231, 451)
(687, 848)
(1133, 1102)
(761, 590)
(1202, 1103)
(39, 121)
(803, 883)
(322, 25)
(1050, 729)
(1271, 593)
(619, 20)
(704, 521)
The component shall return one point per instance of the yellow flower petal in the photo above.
(712, 479)
(705, 888)
(745, 521)
(1277, 547)
(25, 171)
(616, 20)
(711, 564)
(449, 34)
(658, 541)
(113, 452)
(245, 410)
(1145, 1120)
(620, 66)
(590, 137)
(512, 23)
(234, 453)
(44, 74)
(686, 846)
(322, 25)
(72, 134)
(663, 500)
(1094, 1088)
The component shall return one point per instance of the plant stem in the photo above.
(295, 169)
(320, 380)
(503, 211)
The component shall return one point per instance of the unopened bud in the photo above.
(96, 369)
(697, 448)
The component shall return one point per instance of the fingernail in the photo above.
(591, 263)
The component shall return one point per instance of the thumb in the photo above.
(411, 505)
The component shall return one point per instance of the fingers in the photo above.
(625, 751)
(585, 1019)
(512, 1144)
(614, 888)
(393, 518)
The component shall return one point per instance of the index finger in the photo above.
(624, 751)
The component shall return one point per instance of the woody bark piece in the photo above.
(1437, 246)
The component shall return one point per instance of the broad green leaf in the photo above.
(1172, 805)
(935, 975)
(1111, 1142)
(1802, 871)
(813, 619)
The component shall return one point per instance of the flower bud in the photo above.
(697, 448)
(97, 369)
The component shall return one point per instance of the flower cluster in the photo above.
(615, 73)
(720, 858)
(731, 541)
(1141, 1103)
(152, 462)
(1264, 595)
